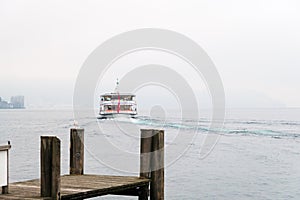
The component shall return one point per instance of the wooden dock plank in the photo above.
(77, 186)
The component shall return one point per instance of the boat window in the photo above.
(117, 97)
(107, 98)
(127, 98)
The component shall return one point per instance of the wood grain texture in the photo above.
(157, 166)
(152, 163)
(145, 160)
(78, 187)
(76, 151)
(50, 167)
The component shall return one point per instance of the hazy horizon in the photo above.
(254, 45)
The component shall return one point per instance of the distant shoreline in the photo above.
(12, 108)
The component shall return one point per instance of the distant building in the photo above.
(4, 104)
(17, 101)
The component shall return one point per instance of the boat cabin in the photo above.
(117, 103)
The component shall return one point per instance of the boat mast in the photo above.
(117, 91)
(117, 86)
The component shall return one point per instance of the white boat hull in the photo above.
(116, 115)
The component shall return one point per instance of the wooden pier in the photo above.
(78, 185)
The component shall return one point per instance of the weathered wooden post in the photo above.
(50, 167)
(157, 166)
(152, 163)
(145, 160)
(76, 151)
(4, 167)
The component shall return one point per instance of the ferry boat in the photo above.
(116, 104)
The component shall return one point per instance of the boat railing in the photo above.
(116, 102)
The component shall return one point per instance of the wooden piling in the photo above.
(157, 166)
(145, 160)
(152, 163)
(50, 167)
(76, 151)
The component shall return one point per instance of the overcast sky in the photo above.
(255, 45)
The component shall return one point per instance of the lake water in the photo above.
(257, 155)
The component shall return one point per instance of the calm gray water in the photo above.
(257, 155)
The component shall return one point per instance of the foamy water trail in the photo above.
(268, 128)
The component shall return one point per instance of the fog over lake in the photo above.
(254, 45)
